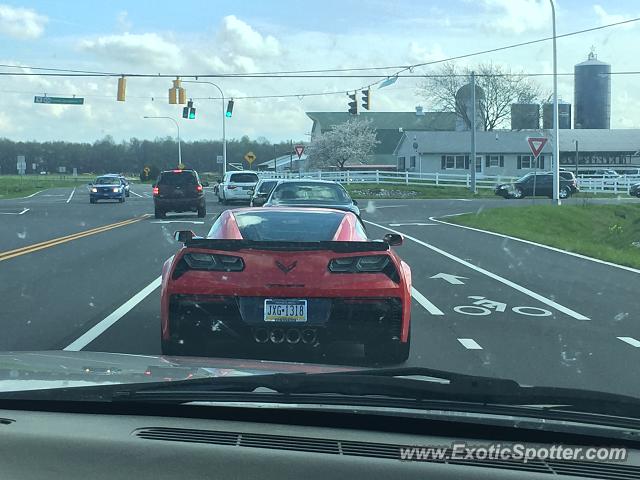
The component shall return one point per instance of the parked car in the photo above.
(262, 191)
(311, 193)
(346, 287)
(237, 186)
(179, 191)
(634, 190)
(538, 184)
(107, 187)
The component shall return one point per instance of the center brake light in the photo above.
(176, 171)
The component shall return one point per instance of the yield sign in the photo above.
(299, 150)
(536, 144)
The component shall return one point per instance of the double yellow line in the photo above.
(57, 241)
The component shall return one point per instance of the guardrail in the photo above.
(586, 184)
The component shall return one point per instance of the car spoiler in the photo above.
(191, 241)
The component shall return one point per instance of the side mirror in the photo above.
(205, 184)
(183, 236)
(355, 202)
(393, 239)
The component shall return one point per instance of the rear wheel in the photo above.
(202, 211)
(387, 351)
(159, 213)
(564, 192)
(518, 193)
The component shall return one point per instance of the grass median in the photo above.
(607, 232)
(402, 191)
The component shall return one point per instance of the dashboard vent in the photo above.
(606, 471)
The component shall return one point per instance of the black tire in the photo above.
(121, 200)
(564, 192)
(388, 351)
(517, 193)
(127, 194)
(202, 211)
(159, 213)
(92, 200)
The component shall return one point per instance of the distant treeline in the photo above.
(131, 156)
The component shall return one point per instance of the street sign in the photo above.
(299, 150)
(21, 164)
(250, 157)
(536, 144)
(59, 100)
(75, 172)
(219, 159)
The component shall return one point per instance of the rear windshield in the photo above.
(177, 178)
(266, 187)
(321, 193)
(244, 178)
(288, 226)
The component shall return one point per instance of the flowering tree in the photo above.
(353, 140)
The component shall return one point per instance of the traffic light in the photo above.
(353, 104)
(122, 89)
(366, 99)
(185, 112)
(229, 109)
(189, 111)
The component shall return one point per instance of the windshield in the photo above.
(310, 193)
(346, 186)
(285, 227)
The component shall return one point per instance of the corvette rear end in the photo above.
(286, 294)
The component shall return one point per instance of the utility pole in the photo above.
(472, 163)
(556, 138)
(178, 127)
(291, 157)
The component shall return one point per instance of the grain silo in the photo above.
(525, 116)
(564, 115)
(592, 94)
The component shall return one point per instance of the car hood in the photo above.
(56, 369)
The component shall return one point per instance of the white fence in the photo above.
(594, 185)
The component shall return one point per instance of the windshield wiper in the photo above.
(380, 385)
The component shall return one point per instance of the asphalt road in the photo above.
(77, 276)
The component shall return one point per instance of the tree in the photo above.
(501, 88)
(354, 139)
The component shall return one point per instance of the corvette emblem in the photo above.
(286, 268)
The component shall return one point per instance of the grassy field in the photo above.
(372, 190)
(607, 232)
(13, 186)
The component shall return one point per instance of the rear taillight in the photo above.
(198, 188)
(156, 190)
(363, 264)
(207, 261)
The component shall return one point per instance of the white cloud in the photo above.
(21, 23)
(518, 16)
(240, 38)
(123, 22)
(140, 50)
(607, 18)
(420, 54)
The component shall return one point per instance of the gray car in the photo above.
(311, 193)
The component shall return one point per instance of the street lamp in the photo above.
(178, 127)
(556, 139)
(224, 136)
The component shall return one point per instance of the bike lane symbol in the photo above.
(483, 306)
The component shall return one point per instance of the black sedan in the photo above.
(634, 190)
(311, 193)
(537, 184)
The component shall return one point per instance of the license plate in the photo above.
(279, 310)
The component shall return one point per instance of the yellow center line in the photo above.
(57, 241)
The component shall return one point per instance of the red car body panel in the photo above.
(308, 276)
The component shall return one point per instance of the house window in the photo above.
(401, 164)
(494, 161)
(460, 162)
(450, 161)
(529, 162)
(412, 161)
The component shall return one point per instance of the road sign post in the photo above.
(536, 144)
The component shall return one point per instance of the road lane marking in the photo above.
(24, 210)
(98, 329)
(147, 195)
(631, 341)
(71, 196)
(34, 194)
(573, 254)
(136, 194)
(57, 241)
(470, 344)
(412, 224)
(509, 283)
(424, 301)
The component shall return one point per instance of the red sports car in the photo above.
(286, 277)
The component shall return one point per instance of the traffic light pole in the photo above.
(224, 117)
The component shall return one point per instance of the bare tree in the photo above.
(354, 139)
(496, 89)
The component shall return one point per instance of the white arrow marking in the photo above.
(631, 341)
(470, 344)
(452, 279)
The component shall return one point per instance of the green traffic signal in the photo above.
(229, 109)
(192, 113)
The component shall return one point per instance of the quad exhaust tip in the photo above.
(277, 335)
(261, 335)
(293, 336)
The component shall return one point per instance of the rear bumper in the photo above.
(236, 194)
(241, 319)
(179, 204)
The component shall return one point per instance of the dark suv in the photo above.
(538, 184)
(179, 191)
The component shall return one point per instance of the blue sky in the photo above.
(223, 36)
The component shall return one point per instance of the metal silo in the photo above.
(592, 94)
(464, 106)
(564, 115)
(525, 116)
